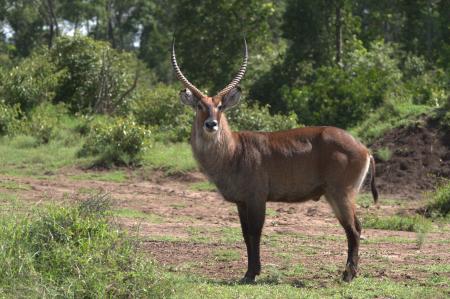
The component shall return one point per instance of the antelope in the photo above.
(252, 168)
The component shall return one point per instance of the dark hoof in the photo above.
(247, 279)
(349, 273)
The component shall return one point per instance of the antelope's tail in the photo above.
(372, 180)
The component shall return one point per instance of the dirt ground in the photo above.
(420, 158)
(197, 232)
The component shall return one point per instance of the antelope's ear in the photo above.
(187, 98)
(232, 98)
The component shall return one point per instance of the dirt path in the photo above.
(197, 232)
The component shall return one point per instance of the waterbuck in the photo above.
(252, 168)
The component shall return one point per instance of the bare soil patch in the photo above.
(420, 158)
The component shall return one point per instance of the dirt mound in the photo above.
(415, 158)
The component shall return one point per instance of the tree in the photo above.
(209, 37)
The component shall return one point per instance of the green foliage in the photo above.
(384, 154)
(160, 108)
(415, 223)
(314, 26)
(44, 121)
(73, 252)
(256, 117)
(343, 96)
(389, 116)
(32, 82)
(9, 119)
(99, 78)
(440, 201)
(209, 37)
(425, 86)
(118, 141)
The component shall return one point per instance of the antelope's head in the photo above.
(209, 109)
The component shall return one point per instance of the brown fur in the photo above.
(251, 168)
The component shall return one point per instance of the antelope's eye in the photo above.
(220, 107)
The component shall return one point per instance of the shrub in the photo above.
(424, 86)
(343, 96)
(30, 83)
(119, 141)
(160, 107)
(9, 119)
(73, 252)
(99, 78)
(440, 201)
(44, 120)
(256, 117)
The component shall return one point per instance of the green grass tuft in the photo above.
(130, 213)
(227, 255)
(388, 117)
(384, 154)
(416, 223)
(203, 186)
(73, 252)
(440, 202)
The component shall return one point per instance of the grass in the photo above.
(225, 235)
(172, 157)
(203, 186)
(45, 159)
(108, 176)
(440, 201)
(361, 287)
(73, 252)
(384, 153)
(271, 212)
(129, 213)
(14, 186)
(365, 200)
(415, 223)
(387, 118)
(226, 255)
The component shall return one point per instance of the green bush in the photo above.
(44, 120)
(99, 78)
(258, 118)
(440, 201)
(160, 107)
(31, 82)
(119, 141)
(73, 252)
(343, 96)
(425, 86)
(10, 123)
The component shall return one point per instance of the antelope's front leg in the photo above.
(252, 216)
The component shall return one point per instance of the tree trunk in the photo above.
(53, 23)
(111, 36)
(338, 33)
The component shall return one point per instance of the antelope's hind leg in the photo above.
(343, 204)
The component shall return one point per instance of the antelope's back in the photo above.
(298, 164)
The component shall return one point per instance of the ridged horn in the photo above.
(180, 75)
(239, 75)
